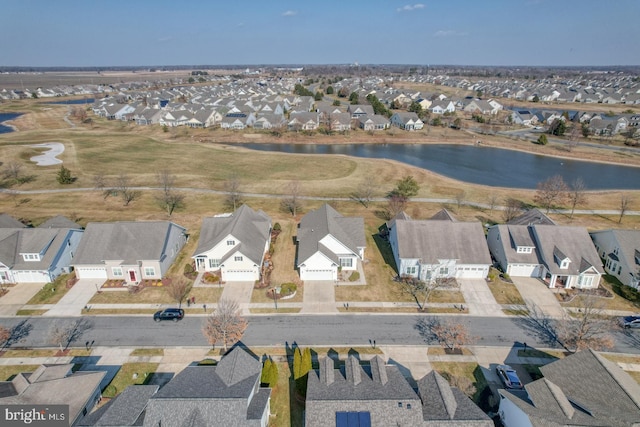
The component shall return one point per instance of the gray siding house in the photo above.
(620, 250)
(131, 251)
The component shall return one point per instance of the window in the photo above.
(408, 405)
(399, 404)
(117, 271)
(564, 264)
(31, 257)
(523, 250)
(411, 270)
(444, 271)
(149, 271)
(214, 263)
(231, 242)
(237, 258)
(619, 269)
(346, 262)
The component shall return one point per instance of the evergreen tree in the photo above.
(297, 363)
(64, 176)
(269, 373)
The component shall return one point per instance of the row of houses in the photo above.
(235, 245)
(598, 124)
(583, 389)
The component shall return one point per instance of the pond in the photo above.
(481, 165)
(6, 117)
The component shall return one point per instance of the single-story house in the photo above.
(584, 389)
(228, 394)
(407, 121)
(54, 385)
(37, 255)
(440, 247)
(374, 122)
(620, 250)
(379, 395)
(328, 242)
(129, 250)
(234, 244)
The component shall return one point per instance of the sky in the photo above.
(88, 33)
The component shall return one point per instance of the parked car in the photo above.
(630, 322)
(174, 314)
(508, 376)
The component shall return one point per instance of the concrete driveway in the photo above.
(72, 303)
(479, 298)
(239, 292)
(319, 297)
(18, 296)
(538, 297)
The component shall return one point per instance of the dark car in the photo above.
(508, 376)
(174, 314)
(630, 322)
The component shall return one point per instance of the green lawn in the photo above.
(130, 374)
(7, 372)
(52, 292)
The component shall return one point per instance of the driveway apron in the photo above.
(538, 297)
(18, 296)
(319, 297)
(74, 300)
(479, 298)
(239, 292)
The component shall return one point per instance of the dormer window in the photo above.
(565, 263)
(231, 242)
(31, 257)
(524, 249)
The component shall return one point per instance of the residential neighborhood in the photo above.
(157, 272)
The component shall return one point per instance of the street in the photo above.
(321, 330)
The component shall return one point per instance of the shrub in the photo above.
(209, 277)
(269, 373)
(110, 391)
(277, 226)
(288, 288)
(188, 269)
(272, 249)
(354, 276)
(542, 140)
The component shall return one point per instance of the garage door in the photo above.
(238, 275)
(524, 270)
(471, 272)
(91, 273)
(25, 276)
(317, 275)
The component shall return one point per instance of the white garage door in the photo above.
(471, 272)
(25, 276)
(238, 275)
(524, 270)
(91, 273)
(317, 275)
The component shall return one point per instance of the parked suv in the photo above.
(630, 322)
(174, 314)
(508, 376)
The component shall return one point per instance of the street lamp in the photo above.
(275, 300)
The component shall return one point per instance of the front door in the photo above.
(132, 276)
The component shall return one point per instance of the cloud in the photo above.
(165, 39)
(410, 7)
(448, 33)
(290, 13)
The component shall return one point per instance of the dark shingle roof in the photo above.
(127, 409)
(530, 217)
(59, 221)
(7, 221)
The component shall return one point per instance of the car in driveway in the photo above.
(630, 322)
(174, 314)
(509, 377)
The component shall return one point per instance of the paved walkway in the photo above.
(479, 298)
(17, 297)
(539, 299)
(77, 298)
(319, 297)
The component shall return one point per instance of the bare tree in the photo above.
(64, 333)
(178, 289)
(12, 170)
(574, 134)
(5, 334)
(125, 190)
(421, 290)
(576, 194)
(588, 328)
(551, 192)
(291, 203)
(364, 193)
(233, 196)
(460, 198)
(100, 182)
(512, 209)
(624, 206)
(224, 324)
(169, 199)
(396, 204)
(493, 201)
(451, 334)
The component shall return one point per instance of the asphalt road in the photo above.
(337, 330)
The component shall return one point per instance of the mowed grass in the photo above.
(157, 295)
(125, 377)
(505, 292)
(7, 372)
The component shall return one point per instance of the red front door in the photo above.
(132, 275)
